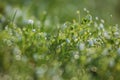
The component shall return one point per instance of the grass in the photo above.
(44, 49)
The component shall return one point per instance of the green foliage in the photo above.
(44, 49)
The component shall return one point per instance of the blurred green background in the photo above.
(66, 9)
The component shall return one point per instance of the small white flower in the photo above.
(6, 27)
(95, 24)
(106, 35)
(102, 21)
(112, 62)
(96, 18)
(85, 9)
(17, 53)
(40, 71)
(81, 46)
(9, 42)
(111, 15)
(34, 30)
(117, 26)
(95, 40)
(105, 52)
(88, 11)
(116, 34)
(101, 26)
(30, 21)
(18, 57)
(78, 12)
(64, 26)
(75, 38)
(67, 40)
(118, 51)
(91, 42)
(76, 55)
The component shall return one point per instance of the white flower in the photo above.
(6, 27)
(111, 15)
(95, 40)
(9, 42)
(88, 11)
(67, 40)
(81, 46)
(116, 34)
(85, 9)
(101, 26)
(96, 18)
(102, 21)
(76, 55)
(105, 52)
(91, 42)
(34, 30)
(18, 57)
(118, 51)
(17, 53)
(64, 25)
(78, 12)
(112, 63)
(106, 35)
(40, 71)
(30, 21)
(95, 24)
